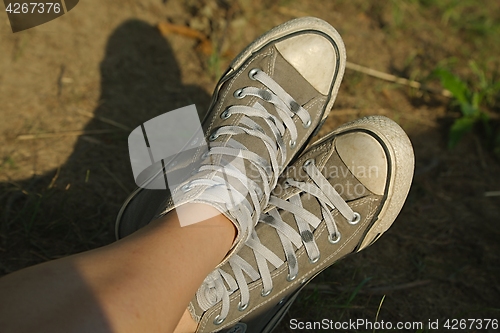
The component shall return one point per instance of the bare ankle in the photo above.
(186, 324)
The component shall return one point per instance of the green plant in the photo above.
(471, 98)
(467, 16)
(214, 64)
(9, 163)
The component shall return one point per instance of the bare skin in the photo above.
(142, 283)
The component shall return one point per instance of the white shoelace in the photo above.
(214, 287)
(225, 182)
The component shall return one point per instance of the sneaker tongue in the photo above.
(291, 80)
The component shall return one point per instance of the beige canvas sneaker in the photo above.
(269, 103)
(336, 199)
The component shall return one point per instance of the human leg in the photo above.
(141, 283)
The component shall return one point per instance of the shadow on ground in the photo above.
(72, 209)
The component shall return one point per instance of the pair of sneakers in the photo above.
(297, 210)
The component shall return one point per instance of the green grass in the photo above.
(473, 98)
(462, 16)
(214, 64)
(8, 163)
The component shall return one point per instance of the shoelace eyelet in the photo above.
(293, 143)
(252, 73)
(226, 114)
(356, 219)
(265, 293)
(334, 238)
(218, 320)
(308, 162)
(204, 155)
(307, 124)
(213, 136)
(242, 307)
(314, 260)
(186, 188)
(291, 278)
(238, 93)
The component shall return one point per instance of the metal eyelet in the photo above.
(226, 114)
(308, 162)
(265, 293)
(204, 155)
(334, 238)
(315, 260)
(291, 278)
(242, 307)
(186, 188)
(356, 219)
(238, 93)
(293, 143)
(252, 73)
(213, 136)
(307, 124)
(218, 320)
(281, 301)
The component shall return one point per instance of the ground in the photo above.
(108, 61)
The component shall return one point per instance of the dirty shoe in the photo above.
(265, 108)
(337, 198)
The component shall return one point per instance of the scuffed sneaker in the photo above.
(336, 199)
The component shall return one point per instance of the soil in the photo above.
(108, 61)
